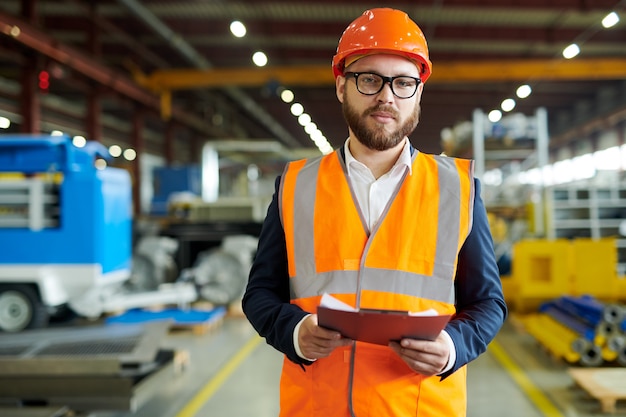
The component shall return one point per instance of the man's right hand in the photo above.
(317, 342)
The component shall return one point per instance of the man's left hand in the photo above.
(426, 357)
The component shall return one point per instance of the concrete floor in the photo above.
(232, 372)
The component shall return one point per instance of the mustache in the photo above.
(381, 108)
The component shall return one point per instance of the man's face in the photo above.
(379, 121)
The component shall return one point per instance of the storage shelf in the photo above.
(579, 222)
(588, 212)
(620, 204)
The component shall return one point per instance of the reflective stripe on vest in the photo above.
(433, 205)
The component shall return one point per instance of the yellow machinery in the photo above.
(546, 269)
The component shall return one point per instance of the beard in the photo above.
(376, 137)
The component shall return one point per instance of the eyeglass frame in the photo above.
(386, 80)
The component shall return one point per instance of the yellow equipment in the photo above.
(546, 269)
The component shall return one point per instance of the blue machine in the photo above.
(87, 220)
(169, 180)
(65, 226)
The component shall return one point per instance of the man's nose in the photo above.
(386, 94)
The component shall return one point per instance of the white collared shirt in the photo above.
(373, 194)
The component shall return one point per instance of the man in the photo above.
(377, 224)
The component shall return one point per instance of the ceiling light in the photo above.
(507, 105)
(79, 141)
(238, 29)
(571, 51)
(297, 109)
(326, 148)
(610, 20)
(115, 151)
(316, 135)
(319, 140)
(307, 123)
(287, 96)
(259, 58)
(304, 119)
(56, 133)
(100, 164)
(130, 154)
(495, 116)
(310, 128)
(321, 143)
(4, 123)
(523, 91)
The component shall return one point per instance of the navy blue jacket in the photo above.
(480, 306)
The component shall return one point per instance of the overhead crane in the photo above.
(163, 82)
(447, 72)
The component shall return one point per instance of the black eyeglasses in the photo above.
(370, 83)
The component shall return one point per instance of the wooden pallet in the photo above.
(608, 385)
(182, 360)
(199, 328)
(235, 310)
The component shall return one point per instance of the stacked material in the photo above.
(581, 330)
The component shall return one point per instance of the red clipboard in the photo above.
(381, 326)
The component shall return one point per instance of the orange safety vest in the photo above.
(408, 262)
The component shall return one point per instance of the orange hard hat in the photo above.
(383, 30)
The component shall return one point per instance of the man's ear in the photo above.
(340, 85)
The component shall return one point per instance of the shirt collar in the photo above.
(403, 160)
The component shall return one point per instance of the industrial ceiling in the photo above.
(176, 63)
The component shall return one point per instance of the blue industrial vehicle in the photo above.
(65, 233)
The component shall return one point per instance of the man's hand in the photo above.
(425, 357)
(317, 342)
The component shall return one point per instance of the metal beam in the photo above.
(443, 72)
(530, 70)
(45, 44)
(39, 41)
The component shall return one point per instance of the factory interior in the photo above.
(140, 142)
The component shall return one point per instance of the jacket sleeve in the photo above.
(266, 301)
(480, 306)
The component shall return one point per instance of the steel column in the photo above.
(30, 106)
(92, 122)
(169, 152)
(138, 144)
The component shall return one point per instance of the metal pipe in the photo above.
(616, 342)
(614, 314)
(580, 344)
(592, 356)
(555, 337)
(586, 307)
(608, 355)
(569, 321)
(606, 329)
